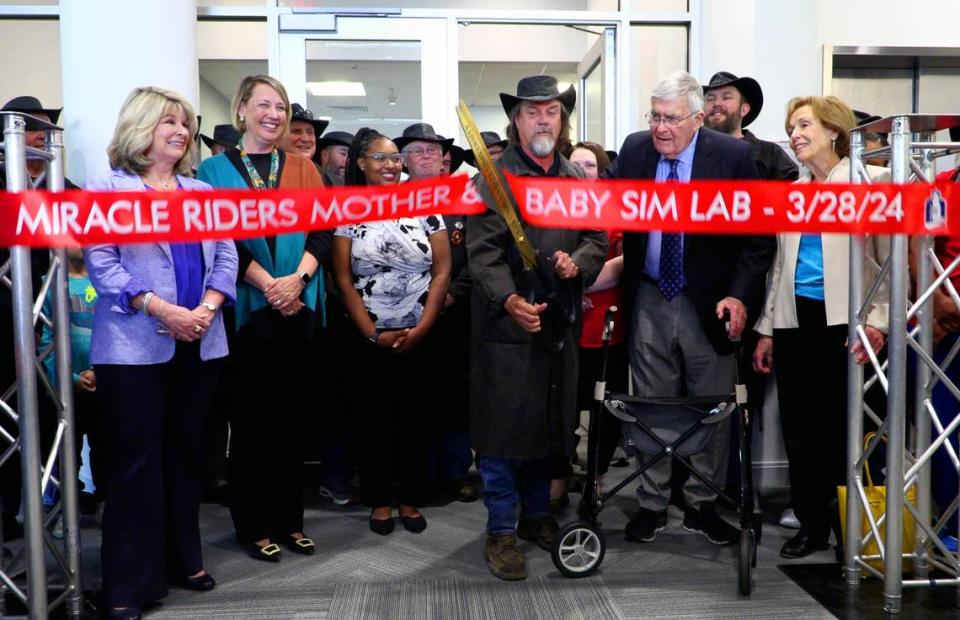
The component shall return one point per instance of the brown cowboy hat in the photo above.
(748, 87)
(539, 88)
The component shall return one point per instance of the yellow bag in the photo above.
(877, 498)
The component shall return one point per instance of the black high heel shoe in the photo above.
(265, 553)
(381, 526)
(302, 545)
(414, 524)
(200, 583)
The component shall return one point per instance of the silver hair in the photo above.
(680, 84)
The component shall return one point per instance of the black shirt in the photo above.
(318, 242)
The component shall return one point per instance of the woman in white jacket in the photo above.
(804, 327)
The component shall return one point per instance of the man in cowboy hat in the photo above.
(304, 131)
(522, 402)
(453, 158)
(423, 149)
(730, 104)
(35, 136)
(494, 145)
(677, 288)
(332, 152)
(224, 137)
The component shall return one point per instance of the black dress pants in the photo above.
(268, 433)
(811, 367)
(396, 397)
(152, 439)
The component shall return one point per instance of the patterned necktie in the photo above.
(671, 253)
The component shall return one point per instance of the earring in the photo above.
(833, 144)
(241, 119)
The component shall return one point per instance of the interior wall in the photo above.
(30, 60)
(215, 109)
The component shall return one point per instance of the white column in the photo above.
(110, 47)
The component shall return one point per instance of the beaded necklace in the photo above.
(255, 176)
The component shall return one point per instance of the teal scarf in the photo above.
(220, 173)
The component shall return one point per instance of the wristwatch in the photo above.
(209, 306)
(305, 278)
(375, 337)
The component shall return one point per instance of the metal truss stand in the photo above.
(912, 152)
(61, 577)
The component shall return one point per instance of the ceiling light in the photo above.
(336, 89)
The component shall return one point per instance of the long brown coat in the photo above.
(522, 398)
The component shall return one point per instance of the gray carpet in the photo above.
(441, 574)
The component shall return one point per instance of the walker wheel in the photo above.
(745, 561)
(578, 549)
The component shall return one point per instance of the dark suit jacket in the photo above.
(716, 266)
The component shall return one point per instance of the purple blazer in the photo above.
(124, 335)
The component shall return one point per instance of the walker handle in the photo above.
(608, 324)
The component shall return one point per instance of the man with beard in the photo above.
(732, 103)
(332, 151)
(677, 288)
(524, 365)
(423, 150)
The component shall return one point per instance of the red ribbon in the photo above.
(81, 218)
(740, 206)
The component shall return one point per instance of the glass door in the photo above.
(380, 72)
(597, 77)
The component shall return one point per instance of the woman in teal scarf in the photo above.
(278, 311)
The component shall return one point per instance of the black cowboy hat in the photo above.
(865, 117)
(224, 135)
(422, 132)
(539, 88)
(457, 157)
(748, 87)
(302, 114)
(490, 138)
(31, 105)
(334, 138)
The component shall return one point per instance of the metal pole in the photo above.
(69, 493)
(897, 377)
(854, 384)
(25, 356)
(922, 388)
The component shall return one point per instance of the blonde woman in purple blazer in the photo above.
(157, 339)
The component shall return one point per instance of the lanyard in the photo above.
(255, 176)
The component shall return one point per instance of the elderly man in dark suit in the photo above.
(677, 288)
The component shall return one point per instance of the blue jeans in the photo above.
(508, 482)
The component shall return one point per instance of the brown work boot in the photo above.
(539, 530)
(504, 558)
